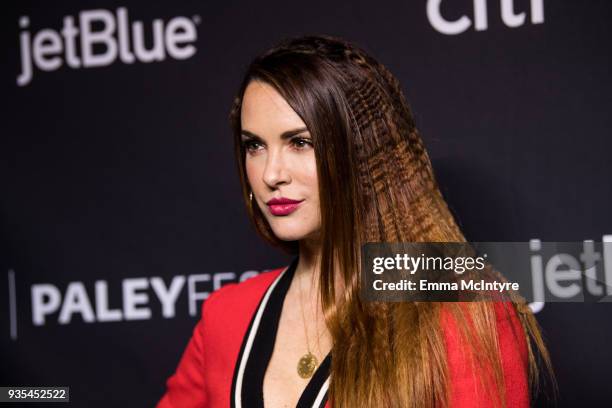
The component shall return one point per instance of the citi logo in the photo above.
(114, 37)
(481, 19)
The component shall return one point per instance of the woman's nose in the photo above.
(276, 171)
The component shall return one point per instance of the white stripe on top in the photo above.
(249, 344)
(321, 394)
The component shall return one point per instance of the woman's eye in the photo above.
(301, 143)
(250, 145)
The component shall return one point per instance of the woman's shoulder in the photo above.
(204, 374)
(507, 323)
(235, 297)
(504, 311)
(463, 360)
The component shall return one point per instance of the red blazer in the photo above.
(214, 372)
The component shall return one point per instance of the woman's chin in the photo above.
(291, 234)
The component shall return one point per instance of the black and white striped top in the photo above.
(257, 348)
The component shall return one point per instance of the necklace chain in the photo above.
(308, 362)
(303, 316)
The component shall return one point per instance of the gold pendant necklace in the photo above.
(308, 363)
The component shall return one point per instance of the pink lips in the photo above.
(283, 206)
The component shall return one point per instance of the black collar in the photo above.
(258, 345)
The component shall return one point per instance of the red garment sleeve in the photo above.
(466, 389)
(185, 388)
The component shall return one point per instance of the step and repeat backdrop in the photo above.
(120, 208)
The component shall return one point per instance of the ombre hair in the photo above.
(376, 184)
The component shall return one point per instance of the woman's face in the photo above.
(280, 163)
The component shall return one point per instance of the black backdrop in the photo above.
(118, 182)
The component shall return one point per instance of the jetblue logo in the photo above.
(114, 38)
(478, 16)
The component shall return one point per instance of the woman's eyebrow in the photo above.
(285, 135)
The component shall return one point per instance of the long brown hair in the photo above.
(376, 184)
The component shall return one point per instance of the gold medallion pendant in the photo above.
(307, 365)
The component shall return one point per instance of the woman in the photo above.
(330, 158)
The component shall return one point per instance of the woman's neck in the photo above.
(308, 269)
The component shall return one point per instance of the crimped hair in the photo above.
(376, 184)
